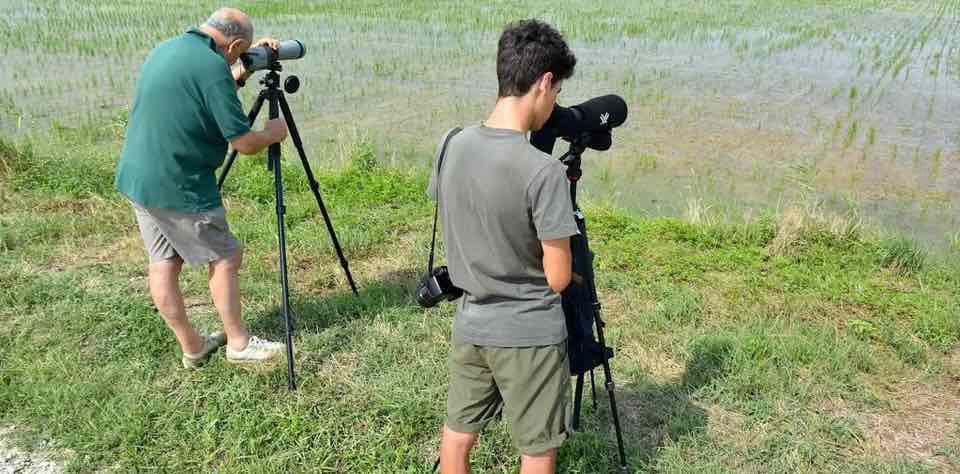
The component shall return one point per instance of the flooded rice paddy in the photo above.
(737, 108)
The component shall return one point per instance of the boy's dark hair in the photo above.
(527, 50)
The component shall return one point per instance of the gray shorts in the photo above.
(197, 238)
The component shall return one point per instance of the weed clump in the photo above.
(796, 227)
(679, 305)
(902, 255)
(14, 158)
(709, 357)
(940, 329)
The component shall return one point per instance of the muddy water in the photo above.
(861, 122)
(864, 124)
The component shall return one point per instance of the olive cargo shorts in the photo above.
(530, 385)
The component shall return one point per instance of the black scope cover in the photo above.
(593, 118)
(602, 113)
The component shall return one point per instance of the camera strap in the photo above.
(436, 209)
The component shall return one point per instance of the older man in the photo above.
(185, 112)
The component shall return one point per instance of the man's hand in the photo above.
(240, 73)
(268, 42)
(276, 129)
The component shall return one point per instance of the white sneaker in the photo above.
(210, 345)
(257, 350)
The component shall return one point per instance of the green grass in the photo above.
(729, 357)
(761, 345)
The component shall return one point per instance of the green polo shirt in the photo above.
(185, 112)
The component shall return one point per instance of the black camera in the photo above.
(435, 287)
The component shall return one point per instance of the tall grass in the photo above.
(902, 255)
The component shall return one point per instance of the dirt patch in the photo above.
(126, 249)
(78, 206)
(654, 362)
(728, 425)
(921, 423)
(17, 461)
(953, 366)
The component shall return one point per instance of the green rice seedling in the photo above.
(851, 135)
(837, 126)
(646, 162)
(936, 161)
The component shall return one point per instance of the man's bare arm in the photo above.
(557, 263)
(254, 141)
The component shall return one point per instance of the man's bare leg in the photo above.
(455, 451)
(225, 290)
(164, 278)
(543, 463)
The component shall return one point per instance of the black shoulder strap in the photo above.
(436, 209)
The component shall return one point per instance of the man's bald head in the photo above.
(232, 23)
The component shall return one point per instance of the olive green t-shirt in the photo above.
(499, 198)
(184, 113)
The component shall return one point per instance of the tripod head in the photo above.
(572, 158)
(271, 81)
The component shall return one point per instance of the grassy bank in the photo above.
(785, 344)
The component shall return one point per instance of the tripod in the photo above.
(582, 309)
(273, 95)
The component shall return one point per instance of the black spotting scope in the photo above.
(264, 57)
(591, 120)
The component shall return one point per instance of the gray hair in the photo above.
(232, 23)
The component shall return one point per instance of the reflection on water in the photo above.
(861, 120)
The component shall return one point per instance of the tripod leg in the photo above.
(610, 386)
(252, 117)
(593, 390)
(577, 402)
(273, 156)
(315, 187)
(607, 373)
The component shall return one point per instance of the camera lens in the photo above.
(424, 298)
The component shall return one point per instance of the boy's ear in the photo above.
(546, 82)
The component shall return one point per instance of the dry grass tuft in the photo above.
(790, 229)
